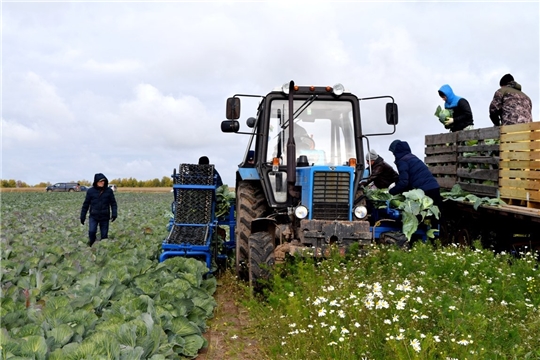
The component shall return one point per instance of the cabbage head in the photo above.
(443, 114)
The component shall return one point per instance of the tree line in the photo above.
(125, 182)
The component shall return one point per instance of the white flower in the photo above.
(332, 328)
(382, 304)
(291, 294)
(416, 345)
(322, 312)
(341, 314)
(234, 337)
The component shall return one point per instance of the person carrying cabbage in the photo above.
(457, 114)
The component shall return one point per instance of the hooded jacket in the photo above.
(413, 173)
(510, 106)
(99, 200)
(462, 113)
(382, 174)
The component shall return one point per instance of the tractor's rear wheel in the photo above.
(261, 258)
(250, 205)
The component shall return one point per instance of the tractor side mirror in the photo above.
(230, 126)
(391, 114)
(233, 108)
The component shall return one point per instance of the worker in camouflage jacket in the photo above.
(510, 105)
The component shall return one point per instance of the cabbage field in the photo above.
(61, 299)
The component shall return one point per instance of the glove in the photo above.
(113, 218)
(82, 221)
(449, 121)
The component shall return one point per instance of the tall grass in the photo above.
(426, 303)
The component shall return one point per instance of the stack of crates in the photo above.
(194, 221)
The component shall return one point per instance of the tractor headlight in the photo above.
(360, 212)
(285, 88)
(301, 212)
(338, 89)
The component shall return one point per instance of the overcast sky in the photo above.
(133, 89)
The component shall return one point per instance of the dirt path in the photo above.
(230, 334)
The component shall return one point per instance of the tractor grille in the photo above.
(331, 195)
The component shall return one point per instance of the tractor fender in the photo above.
(248, 174)
(263, 224)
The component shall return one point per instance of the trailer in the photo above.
(497, 162)
(194, 228)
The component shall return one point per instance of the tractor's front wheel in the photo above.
(250, 205)
(261, 258)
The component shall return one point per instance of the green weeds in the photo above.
(427, 303)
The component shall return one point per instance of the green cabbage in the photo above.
(443, 114)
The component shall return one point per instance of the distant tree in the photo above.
(22, 184)
(166, 181)
(9, 183)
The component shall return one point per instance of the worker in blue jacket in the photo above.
(413, 173)
(101, 202)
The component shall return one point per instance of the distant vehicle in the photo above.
(64, 187)
(84, 188)
(113, 187)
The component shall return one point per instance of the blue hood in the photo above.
(400, 149)
(451, 98)
(98, 177)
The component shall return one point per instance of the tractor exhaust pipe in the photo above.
(291, 145)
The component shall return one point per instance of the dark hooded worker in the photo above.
(101, 203)
(462, 117)
(413, 173)
(382, 174)
(510, 105)
(203, 160)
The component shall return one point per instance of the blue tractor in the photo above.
(300, 192)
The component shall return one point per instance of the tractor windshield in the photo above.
(323, 131)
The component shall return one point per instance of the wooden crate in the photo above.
(441, 158)
(469, 158)
(519, 173)
(478, 161)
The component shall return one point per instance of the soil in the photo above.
(230, 332)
